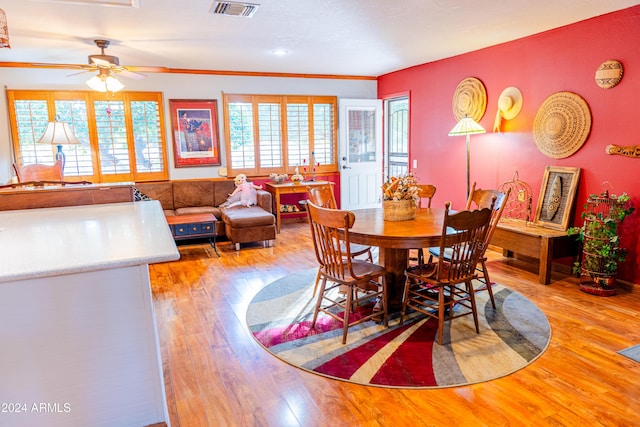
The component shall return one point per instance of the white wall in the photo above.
(173, 86)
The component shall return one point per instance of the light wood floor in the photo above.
(217, 375)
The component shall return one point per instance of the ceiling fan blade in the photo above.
(143, 69)
(131, 75)
(79, 72)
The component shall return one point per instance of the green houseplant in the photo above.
(599, 236)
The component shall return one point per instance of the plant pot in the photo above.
(399, 210)
(603, 286)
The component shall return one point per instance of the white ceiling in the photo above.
(335, 37)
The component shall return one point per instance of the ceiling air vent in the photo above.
(231, 8)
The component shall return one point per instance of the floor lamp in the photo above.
(58, 133)
(467, 126)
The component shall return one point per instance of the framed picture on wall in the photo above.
(195, 132)
(557, 197)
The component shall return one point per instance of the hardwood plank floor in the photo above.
(217, 375)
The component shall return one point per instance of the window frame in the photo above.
(282, 100)
(89, 98)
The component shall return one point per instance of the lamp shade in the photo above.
(104, 83)
(466, 126)
(58, 133)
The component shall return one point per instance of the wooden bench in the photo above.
(545, 244)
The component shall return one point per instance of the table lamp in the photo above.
(58, 133)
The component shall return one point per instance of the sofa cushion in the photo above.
(199, 209)
(222, 190)
(161, 191)
(242, 217)
(187, 194)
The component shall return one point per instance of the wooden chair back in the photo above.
(323, 196)
(484, 199)
(426, 191)
(330, 233)
(463, 240)
(39, 172)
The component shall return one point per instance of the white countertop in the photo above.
(55, 241)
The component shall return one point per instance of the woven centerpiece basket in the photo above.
(399, 210)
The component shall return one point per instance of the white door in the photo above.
(360, 123)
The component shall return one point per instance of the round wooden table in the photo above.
(395, 238)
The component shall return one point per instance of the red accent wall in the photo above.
(563, 59)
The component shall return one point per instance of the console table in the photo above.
(278, 190)
(193, 226)
(545, 244)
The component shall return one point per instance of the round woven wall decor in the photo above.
(469, 99)
(562, 125)
(609, 74)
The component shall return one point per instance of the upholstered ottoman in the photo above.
(249, 224)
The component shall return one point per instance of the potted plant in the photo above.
(601, 251)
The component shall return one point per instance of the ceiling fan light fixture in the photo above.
(104, 82)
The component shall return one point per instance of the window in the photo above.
(121, 137)
(397, 141)
(273, 133)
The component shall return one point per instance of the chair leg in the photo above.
(474, 308)
(488, 283)
(319, 302)
(441, 313)
(315, 287)
(347, 312)
(405, 299)
(385, 303)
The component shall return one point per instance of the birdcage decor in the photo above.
(518, 206)
(601, 251)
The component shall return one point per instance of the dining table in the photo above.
(395, 239)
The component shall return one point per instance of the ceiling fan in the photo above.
(106, 66)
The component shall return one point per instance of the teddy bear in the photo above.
(245, 193)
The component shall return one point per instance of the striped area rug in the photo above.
(511, 337)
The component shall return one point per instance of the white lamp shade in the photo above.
(104, 83)
(466, 126)
(58, 133)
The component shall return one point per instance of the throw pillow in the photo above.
(139, 195)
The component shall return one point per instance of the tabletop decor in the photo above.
(601, 250)
(511, 337)
(278, 178)
(400, 197)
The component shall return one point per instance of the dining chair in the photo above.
(426, 191)
(480, 199)
(324, 196)
(433, 288)
(365, 281)
(39, 172)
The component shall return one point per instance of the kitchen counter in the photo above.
(77, 324)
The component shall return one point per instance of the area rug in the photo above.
(632, 353)
(511, 337)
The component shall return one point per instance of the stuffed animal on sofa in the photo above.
(244, 194)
